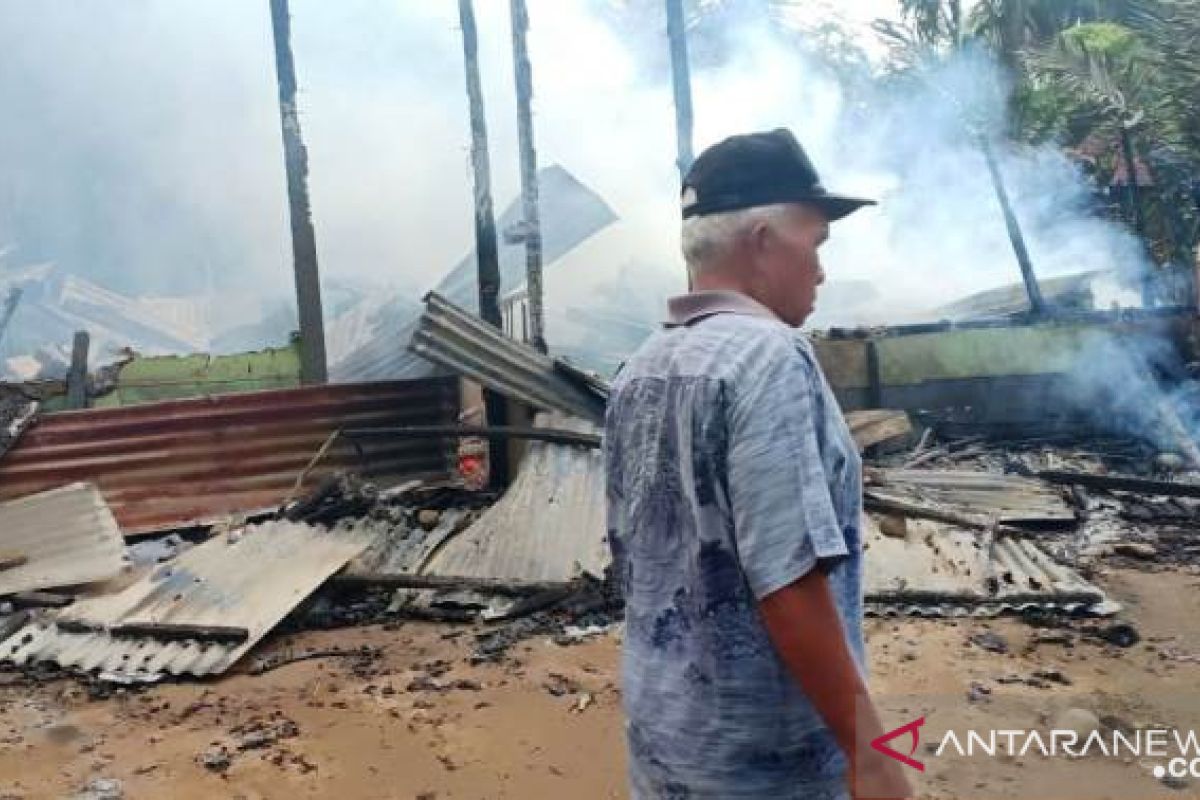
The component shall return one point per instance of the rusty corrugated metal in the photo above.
(183, 462)
(246, 579)
(67, 536)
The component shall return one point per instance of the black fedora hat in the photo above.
(758, 169)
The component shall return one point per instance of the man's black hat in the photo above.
(759, 169)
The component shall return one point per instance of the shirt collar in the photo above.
(686, 309)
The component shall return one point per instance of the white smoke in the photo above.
(144, 149)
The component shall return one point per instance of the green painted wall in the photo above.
(145, 380)
(1045, 349)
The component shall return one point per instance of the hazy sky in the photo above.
(141, 148)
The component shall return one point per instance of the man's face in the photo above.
(787, 268)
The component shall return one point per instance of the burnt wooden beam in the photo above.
(1037, 304)
(78, 373)
(907, 508)
(40, 599)
(486, 248)
(9, 560)
(1120, 483)
(170, 632)
(531, 230)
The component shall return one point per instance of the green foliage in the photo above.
(1087, 74)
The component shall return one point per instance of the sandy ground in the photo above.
(420, 722)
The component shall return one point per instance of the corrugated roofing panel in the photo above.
(452, 338)
(67, 536)
(943, 570)
(17, 412)
(548, 526)
(1010, 499)
(403, 549)
(570, 214)
(183, 462)
(246, 579)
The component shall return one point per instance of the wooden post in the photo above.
(488, 269)
(77, 375)
(10, 307)
(1134, 194)
(313, 368)
(1037, 305)
(531, 231)
(681, 80)
(488, 263)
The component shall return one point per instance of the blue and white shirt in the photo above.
(731, 474)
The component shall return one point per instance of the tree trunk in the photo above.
(1037, 305)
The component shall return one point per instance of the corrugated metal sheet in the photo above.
(570, 214)
(172, 464)
(452, 338)
(548, 526)
(249, 579)
(17, 412)
(940, 570)
(67, 535)
(404, 549)
(1009, 499)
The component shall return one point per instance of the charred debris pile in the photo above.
(169, 539)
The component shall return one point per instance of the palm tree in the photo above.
(1133, 86)
(1011, 26)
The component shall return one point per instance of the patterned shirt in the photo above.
(731, 474)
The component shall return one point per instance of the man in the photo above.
(734, 497)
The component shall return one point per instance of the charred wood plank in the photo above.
(171, 632)
(40, 599)
(10, 560)
(538, 602)
(1120, 483)
(907, 508)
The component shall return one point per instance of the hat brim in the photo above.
(837, 206)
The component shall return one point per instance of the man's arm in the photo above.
(803, 623)
(785, 526)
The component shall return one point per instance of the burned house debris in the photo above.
(355, 499)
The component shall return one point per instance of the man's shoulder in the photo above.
(722, 347)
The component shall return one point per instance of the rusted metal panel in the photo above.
(65, 536)
(548, 526)
(184, 462)
(248, 579)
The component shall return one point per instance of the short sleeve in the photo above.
(783, 515)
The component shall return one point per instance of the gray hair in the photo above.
(709, 239)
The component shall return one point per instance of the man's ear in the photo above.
(761, 238)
